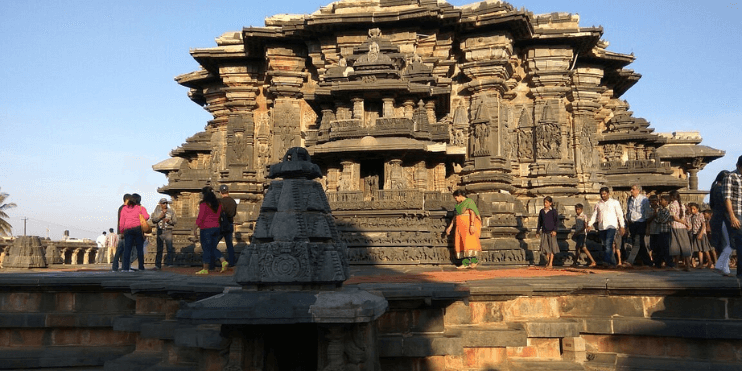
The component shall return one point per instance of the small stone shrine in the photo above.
(295, 239)
(291, 277)
(26, 252)
(400, 102)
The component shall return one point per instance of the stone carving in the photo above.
(26, 252)
(548, 141)
(295, 239)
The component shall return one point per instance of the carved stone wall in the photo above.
(508, 105)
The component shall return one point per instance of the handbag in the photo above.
(146, 228)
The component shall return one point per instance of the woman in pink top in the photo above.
(208, 221)
(131, 227)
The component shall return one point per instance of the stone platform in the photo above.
(438, 319)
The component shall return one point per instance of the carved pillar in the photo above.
(583, 104)
(693, 179)
(430, 108)
(388, 110)
(409, 109)
(440, 177)
(333, 176)
(350, 176)
(358, 111)
(394, 175)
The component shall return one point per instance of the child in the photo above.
(653, 231)
(679, 239)
(712, 252)
(548, 222)
(662, 219)
(581, 234)
(699, 241)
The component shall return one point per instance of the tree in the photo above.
(5, 227)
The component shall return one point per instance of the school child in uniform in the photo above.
(581, 233)
(663, 218)
(699, 241)
(548, 223)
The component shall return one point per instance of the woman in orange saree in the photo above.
(468, 228)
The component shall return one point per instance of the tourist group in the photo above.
(215, 221)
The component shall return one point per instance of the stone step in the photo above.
(545, 365)
(51, 357)
(134, 361)
(556, 328)
(422, 345)
(489, 335)
(622, 362)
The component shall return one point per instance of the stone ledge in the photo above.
(483, 336)
(620, 362)
(518, 365)
(552, 328)
(202, 336)
(134, 323)
(419, 346)
(134, 361)
(697, 329)
(48, 357)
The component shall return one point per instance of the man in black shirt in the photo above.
(229, 207)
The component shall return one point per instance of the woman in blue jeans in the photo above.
(208, 221)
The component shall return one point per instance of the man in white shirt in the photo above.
(637, 213)
(608, 214)
(101, 242)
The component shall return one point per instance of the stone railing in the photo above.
(636, 166)
(403, 199)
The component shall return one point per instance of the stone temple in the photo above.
(400, 102)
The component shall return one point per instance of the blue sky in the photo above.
(88, 102)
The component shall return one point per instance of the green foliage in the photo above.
(5, 227)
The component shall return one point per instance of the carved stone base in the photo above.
(429, 255)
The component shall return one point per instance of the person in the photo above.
(468, 228)
(653, 231)
(580, 234)
(662, 219)
(112, 240)
(719, 227)
(712, 251)
(609, 216)
(732, 191)
(120, 245)
(101, 242)
(548, 222)
(698, 240)
(637, 213)
(679, 240)
(229, 206)
(164, 219)
(208, 222)
(131, 226)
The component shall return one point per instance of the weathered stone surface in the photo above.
(26, 252)
(490, 337)
(552, 328)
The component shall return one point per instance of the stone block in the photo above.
(573, 344)
(580, 356)
(390, 346)
(66, 336)
(734, 308)
(600, 306)
(485, 312)
(60, 357)
(546, 348)
(394, 322)
(529, 308)
(61, 320)
(20, 302)
(426, 346)
(65, 301)
(29, 338)
(597, 325)
(427, 320)
(484, 358)
(150, 305)
(480, 336)
(552, 329)
(457, 313)
(14, 320)
(134, 323)
(686, 308)
(149, 345)
(202, 336)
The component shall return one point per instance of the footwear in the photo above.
(461, 267)
(202, 272)
(156, 268)
(225, 264)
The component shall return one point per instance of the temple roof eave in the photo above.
(684, 151)
(367, 144)
(646, 180)
(166, 166)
